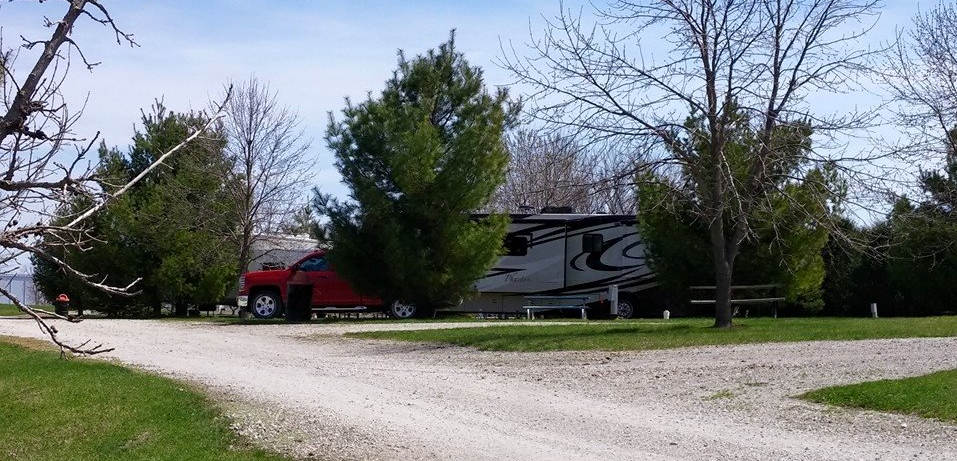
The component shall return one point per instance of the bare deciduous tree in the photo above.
(549, 169)
(921, 73)
(644, 66)
(613, 189)
(270, 159)
(45, 165)
(545, 170)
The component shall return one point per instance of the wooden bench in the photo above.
(541, 303)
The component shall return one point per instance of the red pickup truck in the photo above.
(265, 292)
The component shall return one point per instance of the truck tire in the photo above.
(627, 308)
(400, 310)
(265, 304)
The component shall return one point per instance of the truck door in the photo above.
(344, 294)
(327, 288)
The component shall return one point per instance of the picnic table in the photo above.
(543, 303)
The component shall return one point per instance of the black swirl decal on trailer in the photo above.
(602, 284)
(639, 245)
(593, 260)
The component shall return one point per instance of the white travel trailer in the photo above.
(277, 251)
(565, 254)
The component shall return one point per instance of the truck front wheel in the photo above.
(266, 304)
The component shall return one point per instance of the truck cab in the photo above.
(265, 292)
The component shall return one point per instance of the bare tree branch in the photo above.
(921, 72)
(44, 166)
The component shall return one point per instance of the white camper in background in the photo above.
(277, 251)
(565, 254)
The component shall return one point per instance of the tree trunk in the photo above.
(722, 295)
(180, 309)
(722, 276)
(244, 257)
(244, 249)
(722, 258)
(157, 309)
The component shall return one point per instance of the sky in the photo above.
(314, 54)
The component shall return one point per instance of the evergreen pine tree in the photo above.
(418, 160)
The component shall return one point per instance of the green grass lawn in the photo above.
(79, 410)
(930, 396)
(663, 334)
(7, 310)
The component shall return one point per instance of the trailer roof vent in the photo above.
(557, 210)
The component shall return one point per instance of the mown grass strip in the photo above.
(661, 334)
(7, 310)
(81, 410)
(930, 396)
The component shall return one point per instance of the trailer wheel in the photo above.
(626, 308)
(266, 305)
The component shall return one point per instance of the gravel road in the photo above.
(307, 391)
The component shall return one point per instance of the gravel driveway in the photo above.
(331, 397)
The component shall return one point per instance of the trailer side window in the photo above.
(591, 243)
(517, 245)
